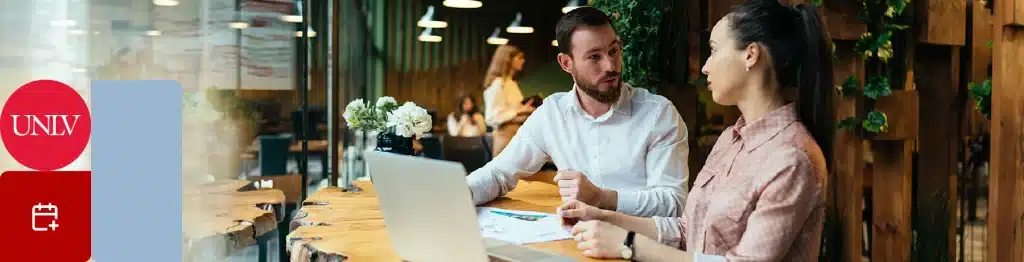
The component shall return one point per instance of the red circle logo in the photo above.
(45, 125)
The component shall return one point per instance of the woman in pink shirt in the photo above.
(760, 196)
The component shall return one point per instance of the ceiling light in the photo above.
(570, 6)
(239, 25)
(428, 20)
(166, 2)
(153, 33)
(517, 28)
(554, 42)
(426, 36)
(462, 3)
(291, 18)
(496, 39)
(311, 33)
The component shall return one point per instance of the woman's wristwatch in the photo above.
(627, 246)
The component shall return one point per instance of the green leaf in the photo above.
(848, 123)
(982, 95)
(849, 87)
(876, 122)
(877, 86)
(816, 2)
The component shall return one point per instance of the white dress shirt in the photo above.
(503, 100)
(638, 148)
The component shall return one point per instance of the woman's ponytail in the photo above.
(814, 78)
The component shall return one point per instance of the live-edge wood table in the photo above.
(222, 217)
(348, 226)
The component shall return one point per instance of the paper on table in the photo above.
(520, 227)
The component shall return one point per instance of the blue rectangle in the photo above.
(136, 164)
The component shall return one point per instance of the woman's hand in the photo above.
(579, 210)
(599, 239)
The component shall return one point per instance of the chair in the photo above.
(273, 157)
(472, 152)
(316, 116)
(431, 146)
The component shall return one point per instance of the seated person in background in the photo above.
(467, 120)
(617, 147)
(760, 196)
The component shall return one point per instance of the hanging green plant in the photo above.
(896, 7)
(881, 47)
(849, 123)
(876, 122)
(877, 86)
(849, 87)
(637, 24)
(982, 94)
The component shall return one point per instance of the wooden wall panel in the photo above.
(1005, 225)
(891, 189)
(939, 142)
(943, 21)
(848, 160)
(438, 73)
(1012, 11)
(841, 19)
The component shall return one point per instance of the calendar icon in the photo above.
(44, 217)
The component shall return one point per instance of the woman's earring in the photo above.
(748, 68)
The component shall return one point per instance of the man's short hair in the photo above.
(583, 16)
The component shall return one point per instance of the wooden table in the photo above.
(222, 217)
(349, 225)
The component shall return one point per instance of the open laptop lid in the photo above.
(427, 208)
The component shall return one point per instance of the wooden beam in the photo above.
(1011, 12)
(901, 110)
(891, 227)
(841, 19)
(939, 139)
(848, 161)
(1005, 223)
(943, 20)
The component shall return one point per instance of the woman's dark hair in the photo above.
(801, 58)
(458, 106)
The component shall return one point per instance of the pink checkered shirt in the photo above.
(760, 196)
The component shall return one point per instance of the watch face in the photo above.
(627, 253)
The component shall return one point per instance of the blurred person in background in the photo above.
(467, 120)
(503, 98)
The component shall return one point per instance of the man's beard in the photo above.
(606, 97)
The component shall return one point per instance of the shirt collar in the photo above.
(756, 133)
(622, 106)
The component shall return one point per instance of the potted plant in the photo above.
(397, 126)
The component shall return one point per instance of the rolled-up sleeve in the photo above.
(667, 171)
(671, 231)
(523, 157)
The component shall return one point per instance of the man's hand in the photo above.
(573, 185)
(599, 239)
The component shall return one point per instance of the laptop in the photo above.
(430, 215)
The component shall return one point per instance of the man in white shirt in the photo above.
(617, 147)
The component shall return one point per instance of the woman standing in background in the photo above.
(503, 98)
(467, 120)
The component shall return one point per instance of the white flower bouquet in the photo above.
(387, 117)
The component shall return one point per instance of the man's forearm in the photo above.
(641, 225)
(608, 200)
(648, 250)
